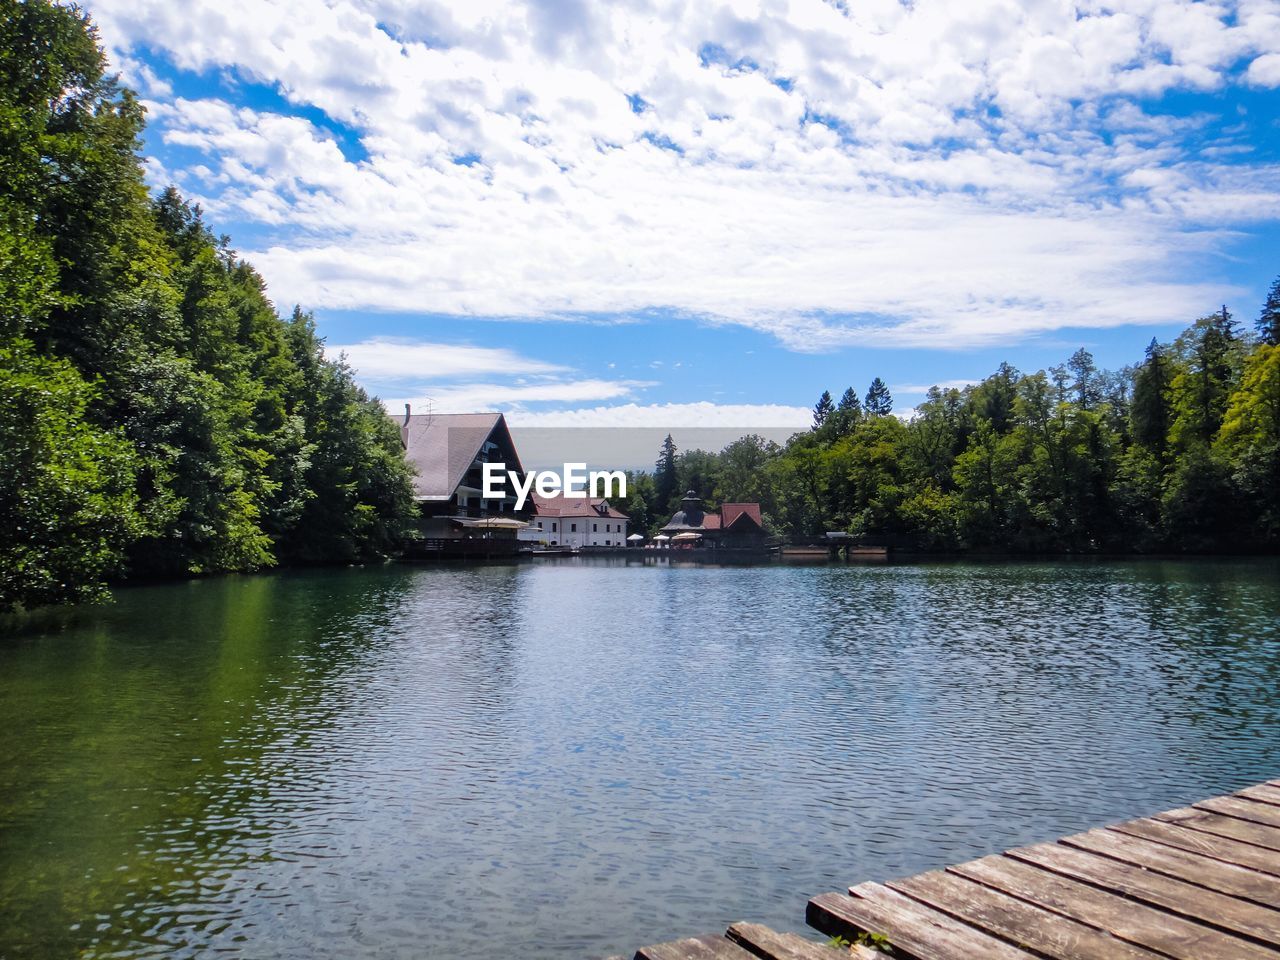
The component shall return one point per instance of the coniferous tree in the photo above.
(1269, 318)
(822, 409)
(849, 402)
(666, 481)
(1150, 409)
(878, 402)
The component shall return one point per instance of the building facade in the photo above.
(575, 522)
(448, 453)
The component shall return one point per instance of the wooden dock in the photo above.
(1189, 884)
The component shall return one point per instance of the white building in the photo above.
(575, 522)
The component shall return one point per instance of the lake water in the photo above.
(573, 758)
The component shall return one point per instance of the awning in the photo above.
(491, 523)
(687, 535)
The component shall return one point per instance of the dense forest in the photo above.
(1177, 453)
(157, 417)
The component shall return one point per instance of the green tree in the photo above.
(1086, 383)
(361, 498)
(1250, 440)
(665, 481)
(993, 399)
(878, 402)
(1269, 318)
(741, 470)
(1211, 354)
(822, 409)
(699, 471)
(67, 502)
(1152, 405)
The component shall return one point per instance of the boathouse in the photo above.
(736, 525)
(448, 453)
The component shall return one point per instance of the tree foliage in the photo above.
(878, 401)
(823, 408)
(1269, 317)
(1180, 452)
(159, 416)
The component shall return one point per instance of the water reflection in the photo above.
(575, 757)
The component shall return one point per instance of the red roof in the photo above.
(562, 506)
(731, 513)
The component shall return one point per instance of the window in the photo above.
(595, 528)
(553, 526)
(573, 528)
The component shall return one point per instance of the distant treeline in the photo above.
(1180, 452)
(157, 417)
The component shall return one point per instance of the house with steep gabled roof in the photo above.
(448, 452)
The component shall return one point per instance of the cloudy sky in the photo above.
(646, 211)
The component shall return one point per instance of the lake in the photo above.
(572, 758)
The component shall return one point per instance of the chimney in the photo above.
(404, 428)
(407, 411)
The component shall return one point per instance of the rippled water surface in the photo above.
(570, 759)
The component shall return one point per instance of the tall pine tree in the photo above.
(878, 402)
(822, 409)
(1269, 318)
(665, 481)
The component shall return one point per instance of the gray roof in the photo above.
(442, 446)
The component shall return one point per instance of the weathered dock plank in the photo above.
(1049, 934)
(1224, 826)
(1263, 792)
(1156, 890)
(917, 932)
(1208, 844)
(1119, 916)
(771, 945)
(749, 941)
(695, 948)
(1196, 868)
(1243, 808)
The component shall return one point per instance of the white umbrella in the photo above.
(635, 538)
(662, 536)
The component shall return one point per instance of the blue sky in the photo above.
(709, 212)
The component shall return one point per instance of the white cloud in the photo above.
(748, 416)
(474, 397)
(390, 359)
(1265, 71)
(913, 389)
(936, 173)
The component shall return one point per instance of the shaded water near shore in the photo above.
(571, 759)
